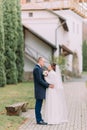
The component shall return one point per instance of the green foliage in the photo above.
(61, 62)
(10, 33)
(84, 50)
(11, 43)
(23, 92)
(20, 45)
(2, 69)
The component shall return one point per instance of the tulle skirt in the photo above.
(55, 106)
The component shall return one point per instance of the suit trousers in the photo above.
(38, 107)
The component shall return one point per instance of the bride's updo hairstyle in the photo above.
(53, 65)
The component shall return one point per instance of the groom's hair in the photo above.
(40, 58)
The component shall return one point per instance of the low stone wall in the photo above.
(28, 76)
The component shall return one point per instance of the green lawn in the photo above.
(84, 72)
(12, 94)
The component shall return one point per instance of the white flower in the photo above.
(45, 73)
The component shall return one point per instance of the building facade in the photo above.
(50, 33)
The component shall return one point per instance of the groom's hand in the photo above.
(51, 86)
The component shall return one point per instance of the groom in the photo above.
(40, 86)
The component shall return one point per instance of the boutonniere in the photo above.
(45, 73)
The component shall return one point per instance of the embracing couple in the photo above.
(49, 87)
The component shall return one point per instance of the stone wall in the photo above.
(28, 76)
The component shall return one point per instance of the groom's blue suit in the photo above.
(40, 86)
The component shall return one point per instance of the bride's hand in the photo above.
(51, 86)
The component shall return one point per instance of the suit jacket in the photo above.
(40, 84)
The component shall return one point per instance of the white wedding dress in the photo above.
(55, 104)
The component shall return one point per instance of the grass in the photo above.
(12, 94)
(84, 72)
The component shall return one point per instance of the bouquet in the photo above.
(45, 73)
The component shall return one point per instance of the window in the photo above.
(30, 14)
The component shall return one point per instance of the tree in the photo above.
(61, 61)
(2, 60)
(14, 44)
(20, 45)
(84, 50)
(10, 38)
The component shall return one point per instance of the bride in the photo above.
(55, 105)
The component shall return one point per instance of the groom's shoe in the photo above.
(42, 123)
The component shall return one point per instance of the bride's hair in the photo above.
(53, 65)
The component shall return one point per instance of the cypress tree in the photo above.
(2, 68)
(20, 45)
(10, 33)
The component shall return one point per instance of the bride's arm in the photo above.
(50, 78)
